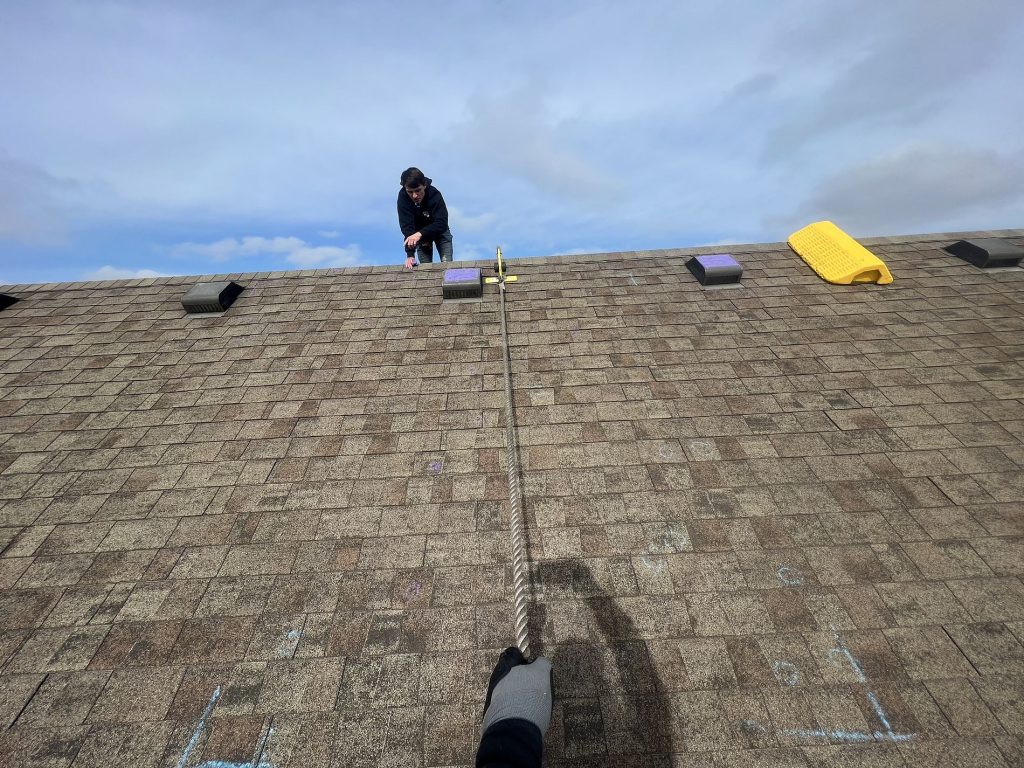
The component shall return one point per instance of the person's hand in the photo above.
(519, 689)
(413, 240)
(410, 262)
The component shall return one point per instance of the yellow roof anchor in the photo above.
(502, 277)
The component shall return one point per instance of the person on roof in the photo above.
(517, 712)
(423, 218)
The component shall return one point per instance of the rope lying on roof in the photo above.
(520, 554)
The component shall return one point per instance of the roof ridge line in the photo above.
(696, 250)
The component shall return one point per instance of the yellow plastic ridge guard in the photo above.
(836, 256)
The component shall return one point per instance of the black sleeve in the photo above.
(438, 216)
(511, 743)
(407, 214)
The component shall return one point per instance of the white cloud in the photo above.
(934, 187)
(233, 248)
(325, 256)
(463, 222)
(518, 134)
(115, 273)
(891, 67)
(292, 249)
(193, 118)
(473, 250)
(35, 205)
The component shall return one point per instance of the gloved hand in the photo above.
(519, 689)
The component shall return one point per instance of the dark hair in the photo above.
(413, 177)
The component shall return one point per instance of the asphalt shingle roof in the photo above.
(776, 524)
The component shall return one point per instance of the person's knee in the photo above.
(444, 246)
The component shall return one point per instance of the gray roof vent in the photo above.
(715, 269)
(6, 301)
(987, 252)
(465, 283)
(210, 297)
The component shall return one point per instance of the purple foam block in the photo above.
(460, 275)
(717, 260)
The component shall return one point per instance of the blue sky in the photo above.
(144, 138)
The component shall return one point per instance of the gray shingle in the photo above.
(303, 501)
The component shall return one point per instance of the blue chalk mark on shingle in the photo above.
(854, 736)
(789, 675)
(289, 643)
(862, 678)
(786, 673)
(199, 728)
(790, 576)
(256, 762)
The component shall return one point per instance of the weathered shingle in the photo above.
(774, 523)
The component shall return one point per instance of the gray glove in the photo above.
(519, 689)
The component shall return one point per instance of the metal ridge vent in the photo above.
(987, 252)
(465, 283)
(211, 297)
(6, 300)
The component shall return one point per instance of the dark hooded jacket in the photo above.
(429, 218)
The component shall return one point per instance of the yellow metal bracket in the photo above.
(502, 277)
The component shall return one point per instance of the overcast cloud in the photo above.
(925, 183)
(194, 137)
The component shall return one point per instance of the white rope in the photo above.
(520, 554)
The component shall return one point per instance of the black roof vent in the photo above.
(211, 297)
(6, 301)
(462, 284)
(715, 269)
(987, 252)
